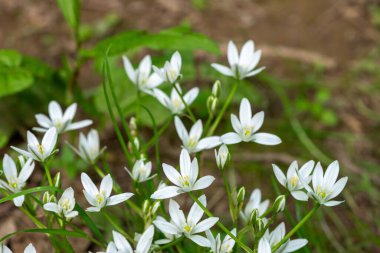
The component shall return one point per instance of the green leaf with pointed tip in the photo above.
(28, 191)
(13, 80)
(46, 231)
(70, 10)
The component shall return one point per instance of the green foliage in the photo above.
(71, 11)
(177, 38)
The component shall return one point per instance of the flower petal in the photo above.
(222, 69)
(203, 183)
(266, 139)
(116, 199)
(231, 138)
(166, 192)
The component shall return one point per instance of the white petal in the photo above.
(26, 170)
(165, 227)
(196, 130)
(231, 138)
(52, 207)
(30, 249)
(176, 60)
(317, 176)
(266, 139)
(196, 211)
(129, 69)
(208, 143)
(245, 112)
(181, 130)
(200, 240)
(166, 192)
(23, 152)
(205, 225)
(331, 175)
(121, 243)
(145, 241)
(18, 201)
(93, 209)
(43, 120)
(333, 203)
(300, 195)
(236, 125)
(294, 245)
(78, 125)
(55, 111)
(279, 175)
(246, 53)
(32, 139)
(172, 174)
(338, 187)
(49, 140)
(203, 182)
(116, 199)
(222, 69)
(185, 163)
(264, 246)
(232, 54)
(176, 215)
(106, 186)
(257, 121)
(9, 168)
(71, 214)
(70, 112)
(88, 185)
(191, 95)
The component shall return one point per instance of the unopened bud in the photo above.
(52, 199)
(155, 207)
(146, 207)
(137, 143)
(212, 102)
(216, 89)
(222, 156)
(254, 215)
(241, 195)
(279, 204)
(57, 180)
(259, 225)
(46, 197)
(132, 124)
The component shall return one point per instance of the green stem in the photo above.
(169, 244)
(185, 104)
(33, 218)
(99, 171)
(224, 108)
(298, 226)
(230, 201)
(117, 227)
(48, 175)
(241, 244)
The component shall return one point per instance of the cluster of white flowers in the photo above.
(185, 180)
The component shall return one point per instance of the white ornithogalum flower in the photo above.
(191, 141)
(291, 180)
(65, 205)
(168, 237)
(62, 121)
(277, 235)
(264, 246)
(185, 181)
(141, 171)
(16, 181)
(89, 147)
(101, 197)
(142, 77)
(191, 226)
(222, 156)
(219, 246)
(243, 65)
(325, 186)
(174, 103)
(246, 127)
(37, 151)
(171, 71)
(254, 202)
(29, 249)
(121, 245)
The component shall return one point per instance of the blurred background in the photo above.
(320, 91)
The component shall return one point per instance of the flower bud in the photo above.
(241, 195)
(259, 225)
(222, 156)
(279, 204)
(155, 207)
(146, 207)
(132, 124)
(216, 89)
(52, 199)
(57, 180)
(46, 197)
(137, 143)
(212, 102)
(254, 215)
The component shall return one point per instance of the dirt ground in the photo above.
(336, 33)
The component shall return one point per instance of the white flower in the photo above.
(62, 121)
(218, 246)
(174, 103)
(264, 246)
(186, 181)
(16, 181)
(222, 156)
(189, 227)
(168, 237)
(246, 127)
(141, 171)
(142, 77)
(171, 70)
(254, 203)
(191, 141)
(100, 198)
(121, 245)
(325, 186)
(89, 147)
(37, 151)
(291, 180)
(241, 66)
(65, 205)
(277, 235)
(29, 249)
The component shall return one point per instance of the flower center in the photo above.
(322, 192)
(294, 180)
(185, 181)
(193, 142)
(66, 205)
(187, 228)
(172, 74)
(176, 102)
(247, 131)
(100, 197)
(13, 183)
(40, 148)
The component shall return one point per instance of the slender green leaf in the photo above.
(89, 222)
(70, 10)
(46, 231)
(28, 191)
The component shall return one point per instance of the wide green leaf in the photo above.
(70, 10)
(173, 39)
(13, 80)
(10, 58)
